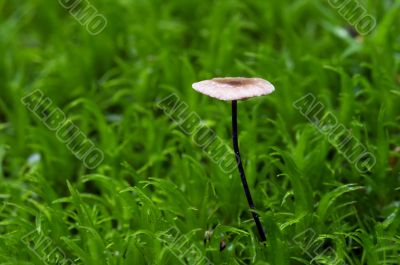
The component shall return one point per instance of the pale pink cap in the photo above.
(234, 88)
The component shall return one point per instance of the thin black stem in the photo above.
(241, 171)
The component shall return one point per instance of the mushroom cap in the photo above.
(234, 88)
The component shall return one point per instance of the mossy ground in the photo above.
(156, 188)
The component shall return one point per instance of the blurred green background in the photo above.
(316, 207)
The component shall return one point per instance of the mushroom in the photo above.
(234, 89)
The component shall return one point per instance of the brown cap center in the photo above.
(234, 81)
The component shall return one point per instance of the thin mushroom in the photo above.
(234, 89)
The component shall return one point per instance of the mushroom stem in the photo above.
(259, 226)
